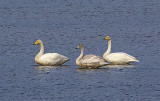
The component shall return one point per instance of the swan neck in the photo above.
(109, 48)
(41, 51)
(81, 55)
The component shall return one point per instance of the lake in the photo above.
(134, 28)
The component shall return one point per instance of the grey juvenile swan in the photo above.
(89, 61)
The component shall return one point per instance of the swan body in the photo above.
(48, 59)
(89, 61)
(119, 57)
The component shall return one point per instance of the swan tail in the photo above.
(136, 61)
(67, 59)
(133, 61)
(104, 63)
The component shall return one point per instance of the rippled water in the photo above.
(62, 24)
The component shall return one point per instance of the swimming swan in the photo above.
(117, 58)
(89, 61)
(48, 59)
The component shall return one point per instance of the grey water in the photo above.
(134, 28)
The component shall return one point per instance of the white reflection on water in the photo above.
(119, 66)
(50, 67)
(109, 66)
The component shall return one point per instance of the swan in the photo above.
(118, 58)
(89, 61)
(48, 59)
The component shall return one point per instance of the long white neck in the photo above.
(40, 52)
(80, 57)
(108, 50)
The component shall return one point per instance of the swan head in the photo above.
(80, 46)
(107, 38)
(38, 42)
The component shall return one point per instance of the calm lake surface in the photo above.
(133, 25)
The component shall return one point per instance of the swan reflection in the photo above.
(50, 67)
(119, 66)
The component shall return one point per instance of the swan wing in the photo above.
(92, 60)
(53, 59)
(120, 57)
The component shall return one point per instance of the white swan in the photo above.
(48, 59)
(117, 58)
(89, 61)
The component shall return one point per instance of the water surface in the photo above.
(62, 24)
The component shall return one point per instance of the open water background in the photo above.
(133, 25)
